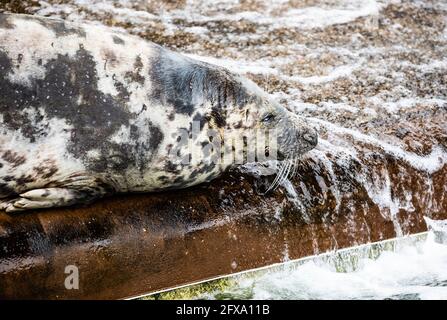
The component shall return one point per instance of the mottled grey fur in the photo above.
(112, 141)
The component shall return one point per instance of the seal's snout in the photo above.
(305, 135)
(297, 138)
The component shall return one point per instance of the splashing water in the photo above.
(406, 269)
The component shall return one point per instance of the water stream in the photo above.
(402, 270)
(406, 268)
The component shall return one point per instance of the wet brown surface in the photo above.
(129, 245)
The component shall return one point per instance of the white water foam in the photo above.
(430, 163)
(274, 16)
(411, 271)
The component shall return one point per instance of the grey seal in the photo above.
(87, 111)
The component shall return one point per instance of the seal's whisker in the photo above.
(295, 167)
(292, 167)
(283, 173)
(292, 171)
(278, 176)
(287, 172)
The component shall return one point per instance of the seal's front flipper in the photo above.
(4, 204)
(48, 198)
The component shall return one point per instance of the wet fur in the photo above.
(85, 112)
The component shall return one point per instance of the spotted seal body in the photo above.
(86, 111)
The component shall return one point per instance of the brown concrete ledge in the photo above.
(130, 245)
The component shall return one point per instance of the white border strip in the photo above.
(283, 264)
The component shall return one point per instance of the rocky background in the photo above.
(370, 75)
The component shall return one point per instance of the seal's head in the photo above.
(230, 104)
(295, 136)
(288, 135)
(292, 134)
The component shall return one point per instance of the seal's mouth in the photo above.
(281, 156)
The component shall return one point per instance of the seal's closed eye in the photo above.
(269, 117)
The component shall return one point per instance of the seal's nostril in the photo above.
(311, 138)
(307, 137)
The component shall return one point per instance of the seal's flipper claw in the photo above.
(10, 207)
(25, 204)
(3, 205)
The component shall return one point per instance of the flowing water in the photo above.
(410, 271)
(413, 271)
(406, 268)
